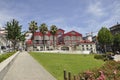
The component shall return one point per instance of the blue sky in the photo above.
(83, 16)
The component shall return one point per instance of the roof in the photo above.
(72, 33)
(85, 41)
(40, 34)
(117, 25)
(61, 29)
(47, 33)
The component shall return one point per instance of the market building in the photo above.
(63, 41)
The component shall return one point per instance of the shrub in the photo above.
(105, 57)
(100, 56)
(5, 56)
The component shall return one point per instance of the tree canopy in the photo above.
(33, 26)
(117, 41)
(13, 31)
(43, 29)
(105, 37)
(53, 30)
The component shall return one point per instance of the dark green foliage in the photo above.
(98, 56)
(116, 41)
(104, 57)
(5, 56)
(22, 37)
(105, 37)
(33, 26)
(13, 31)
(53, 30)
(43, 29)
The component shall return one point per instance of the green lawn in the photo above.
(75, 63)
(5, 56)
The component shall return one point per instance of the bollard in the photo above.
(74, 77)
(65, 75)
(69, 76)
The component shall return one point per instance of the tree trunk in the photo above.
(33, 40)
(43, 42)
(105, 48)
(14, 44)
(54, 42)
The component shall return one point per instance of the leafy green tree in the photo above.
(53, 30)
(33, 27)
(43, 29)
(116, 42)
(13, 31)
(105, 37)
(22, 38)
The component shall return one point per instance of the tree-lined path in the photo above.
(26, 68)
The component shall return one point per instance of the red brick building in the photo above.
(71, 38)
(67, 39)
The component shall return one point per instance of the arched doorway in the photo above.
(65, 48)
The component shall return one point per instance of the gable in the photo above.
(73, 33)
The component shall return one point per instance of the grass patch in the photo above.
(5, 56)
(75, 63)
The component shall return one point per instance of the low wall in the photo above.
(66, 52)
(5, 65)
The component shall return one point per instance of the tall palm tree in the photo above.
(43, 29)
(33, 27)
(53, 30)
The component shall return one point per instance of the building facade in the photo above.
(115, 29)
(86, 46)
(63, 41)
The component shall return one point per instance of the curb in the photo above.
(5, 65)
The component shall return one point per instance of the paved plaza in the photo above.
(26, 68)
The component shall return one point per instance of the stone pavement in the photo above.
(117, 57)
(26, 68)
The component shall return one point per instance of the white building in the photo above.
(86, 46)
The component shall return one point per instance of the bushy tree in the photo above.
(22, 38)
(43, 29)
(116, 42)
(105, 37)
(13, 31)
(53, 30)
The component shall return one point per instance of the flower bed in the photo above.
(109, 71)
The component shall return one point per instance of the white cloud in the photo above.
(57, 20)
(103, 15)
(114, 15)
(4, 18)
(96, 9)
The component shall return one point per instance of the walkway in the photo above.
(26, 68)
